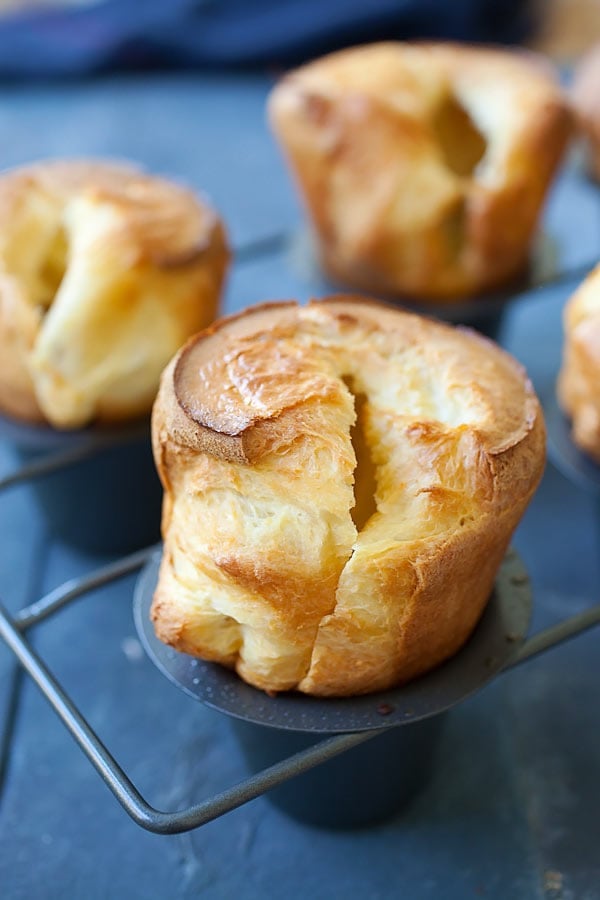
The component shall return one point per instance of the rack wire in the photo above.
(14, 628)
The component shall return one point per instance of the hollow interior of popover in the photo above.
(52, 268)
(365, 483)
(36, 249)
(462, 144)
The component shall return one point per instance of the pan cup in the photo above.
(362, 786)
(106, 496)
(375, 779)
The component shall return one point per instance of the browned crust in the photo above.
(448, 590)
(356, 130)
(390, 609)
(585, 97)
(245, 437)
(19, 325)
(579, 378)
(162, 227)
(165, 222)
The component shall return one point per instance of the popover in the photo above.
(341, 483)
(104, 272)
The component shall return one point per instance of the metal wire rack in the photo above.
(14, 628)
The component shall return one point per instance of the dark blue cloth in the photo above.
(147, 33)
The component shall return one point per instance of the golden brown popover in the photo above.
(341, 483)
(423, 167)
(104, 272)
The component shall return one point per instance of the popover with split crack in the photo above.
(423, 167)
(104, 272)
(341, 483)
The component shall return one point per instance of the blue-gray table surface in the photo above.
(512, 811)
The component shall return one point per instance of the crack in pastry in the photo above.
(341, 482)
(460, 141)
(423, 167)
(365, 478)
(104, 272)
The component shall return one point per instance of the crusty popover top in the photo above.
(579, 378)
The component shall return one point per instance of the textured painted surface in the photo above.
(22, 555)
(512, 809)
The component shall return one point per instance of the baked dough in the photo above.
(341, 483)
(104, 272)
(585, 96)
(423, 167)
(579, 378)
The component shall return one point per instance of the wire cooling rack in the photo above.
(14, 628)
(13, 631)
